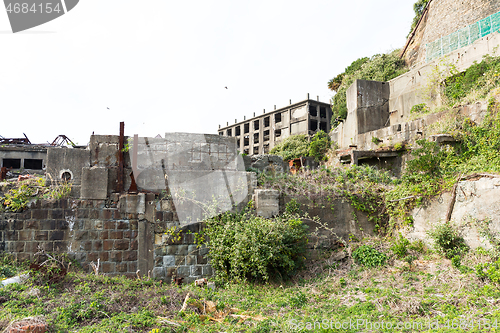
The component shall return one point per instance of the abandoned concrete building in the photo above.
(260, 134)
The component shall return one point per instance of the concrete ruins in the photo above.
(122, 218)
(379, 113)
(260, 134)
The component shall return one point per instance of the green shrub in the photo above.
(447, 240)
(319, 145)
(400, 247)
(419, 109)
(292, 207)
(17, 199)
(368, 256)
(248, 247)
(483, 76)
(294, 146)
(490, 271)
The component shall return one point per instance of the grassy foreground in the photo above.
(431, 295)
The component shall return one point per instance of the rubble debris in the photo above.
(16, 279)
(29, 324)
(200, 282)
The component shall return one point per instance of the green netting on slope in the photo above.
(463, 37)
(474, 32)
(485, 25)
(495, 22)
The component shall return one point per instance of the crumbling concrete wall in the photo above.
(368, 110)
(414, 87)
(406, 90)
(475, 207)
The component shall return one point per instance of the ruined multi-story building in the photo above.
(260, 134)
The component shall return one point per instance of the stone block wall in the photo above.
(86, 230)
(179, 256)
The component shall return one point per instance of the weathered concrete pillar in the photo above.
(145, 255)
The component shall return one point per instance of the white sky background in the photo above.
(162, 65)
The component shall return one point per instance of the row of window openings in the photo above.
(313, 111)
(256, 150)
(277, 118)
(15, 163)
(313, 125)
(246, 139)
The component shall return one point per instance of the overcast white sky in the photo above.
(162, 65)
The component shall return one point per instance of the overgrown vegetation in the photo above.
(297, 146)
(19, 194)
(418, 8)
(380, 67)
(429, 291)
(244, 246)
(447, 240)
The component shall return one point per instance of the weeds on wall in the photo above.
(447, 87)
(18, 195)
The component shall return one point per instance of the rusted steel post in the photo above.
(121, 163)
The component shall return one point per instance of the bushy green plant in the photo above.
(17, 199)
(294, 146)
(447, 240)
(292, 207)
(398, 146)
(483, 76)
(490, 271)
(248, 247)
(319, 145)
(368, 256)
(400, 247)
(419, 109)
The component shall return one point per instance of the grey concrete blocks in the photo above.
(168, 260)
